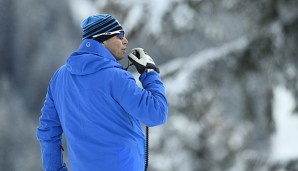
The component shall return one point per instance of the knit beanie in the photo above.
(98, 24)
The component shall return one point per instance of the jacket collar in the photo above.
(90, 57)
(94, 47)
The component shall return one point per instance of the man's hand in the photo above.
(141, 60)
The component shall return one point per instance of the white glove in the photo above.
(141, 60)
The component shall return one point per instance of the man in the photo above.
(98, 105)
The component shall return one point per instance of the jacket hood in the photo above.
(89, 58)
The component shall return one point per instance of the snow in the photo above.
(186, 66)
(182, 16)
(86, 8)
(285, 140)
(185, 18)
(137, 12)
(155, 20)
(133, 18)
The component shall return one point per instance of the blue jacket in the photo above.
(99, 107)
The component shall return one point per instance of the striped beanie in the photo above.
(97, 24)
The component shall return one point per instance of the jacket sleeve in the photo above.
(49, 133)
(147, 104)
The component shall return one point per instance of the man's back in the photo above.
(98, 131)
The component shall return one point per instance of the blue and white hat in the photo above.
(98, 24)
